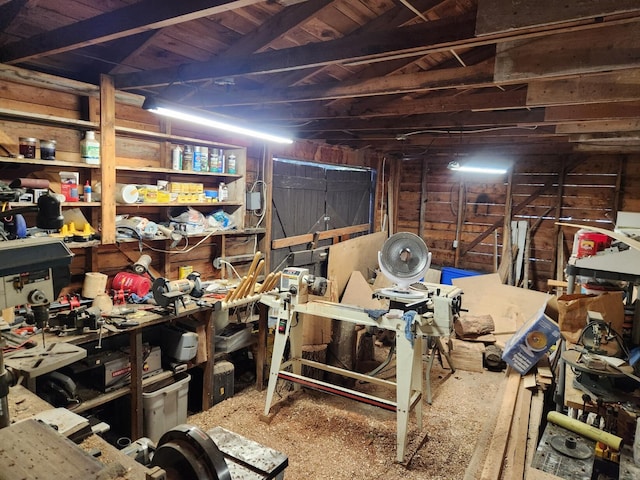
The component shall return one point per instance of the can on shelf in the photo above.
(27, 147)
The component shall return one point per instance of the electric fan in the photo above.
(404, 259)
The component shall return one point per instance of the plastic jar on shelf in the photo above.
(47, 149)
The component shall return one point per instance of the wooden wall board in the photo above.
(618, 86)
(574, 53)
(506, 15)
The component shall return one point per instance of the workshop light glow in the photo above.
(180, 114)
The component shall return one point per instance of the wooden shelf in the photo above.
(49, 119)
(173, 204)
(64, 204)
(169, 171)
(97, 398)
(133, 132)
(46, 163)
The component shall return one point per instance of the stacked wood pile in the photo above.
(508, 443)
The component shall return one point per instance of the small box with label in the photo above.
(69, 186)
(523, 350)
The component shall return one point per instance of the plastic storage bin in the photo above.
(165, 405)
(449, 273)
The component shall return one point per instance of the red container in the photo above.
(590, 243)
(132, 283)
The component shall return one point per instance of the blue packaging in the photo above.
(529, 344)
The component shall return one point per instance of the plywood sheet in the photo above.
(359, 293)
(359, 253)
(510, 307)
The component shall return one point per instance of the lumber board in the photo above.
(621, 86)
(574, 53)
(533, 435)
(498, 445)
(496, 16)
(517, 442)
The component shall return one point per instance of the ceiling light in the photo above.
(455, 166)
(204, 118)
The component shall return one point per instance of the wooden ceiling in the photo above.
(404, 77)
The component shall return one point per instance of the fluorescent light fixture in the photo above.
(202, 118)
(455, 166)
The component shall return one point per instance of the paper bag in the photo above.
(572, 312)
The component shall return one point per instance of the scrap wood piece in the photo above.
(533, 436)
(498, 445)
(482, 451)
(514, 461)
(474, 325)
(466, 356)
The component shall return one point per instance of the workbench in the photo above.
(201, 316)
(46, 458)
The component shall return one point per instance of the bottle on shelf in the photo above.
(90, 148)
(223, 192)
(87, 191)
(176, 158)
(231, 163)
(187, 158)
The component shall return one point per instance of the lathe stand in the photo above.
(408, 384)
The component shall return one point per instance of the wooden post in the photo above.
(108, 158)
(423, 197)
(460, 221)
(135, 358)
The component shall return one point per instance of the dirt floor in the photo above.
(328, 437)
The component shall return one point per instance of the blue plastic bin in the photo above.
(449, 273)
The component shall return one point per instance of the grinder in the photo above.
(166, 293)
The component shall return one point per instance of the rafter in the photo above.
(436, 36)
(136, 18)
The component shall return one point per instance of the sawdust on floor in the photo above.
(332, 438)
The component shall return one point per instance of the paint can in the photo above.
(184, 271)
(589, 243)
(132, 283)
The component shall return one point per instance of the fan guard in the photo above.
(404, 259)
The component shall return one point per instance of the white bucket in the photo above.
(126, 193)
(94, 284)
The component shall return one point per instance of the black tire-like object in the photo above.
(187, 453)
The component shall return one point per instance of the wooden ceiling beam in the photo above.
(136, 18)
(454, 122)
(436, 36)
(496, 16)
(476, 76)
(9, 11)
(630, 125)
(620, 86)
(302, 112)
(594, 111)
(569, 54)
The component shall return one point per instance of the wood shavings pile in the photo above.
(328, 437)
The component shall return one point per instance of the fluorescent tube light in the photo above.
(455, 166)
(201, 118)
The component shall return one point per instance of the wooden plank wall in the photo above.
(594, 188)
